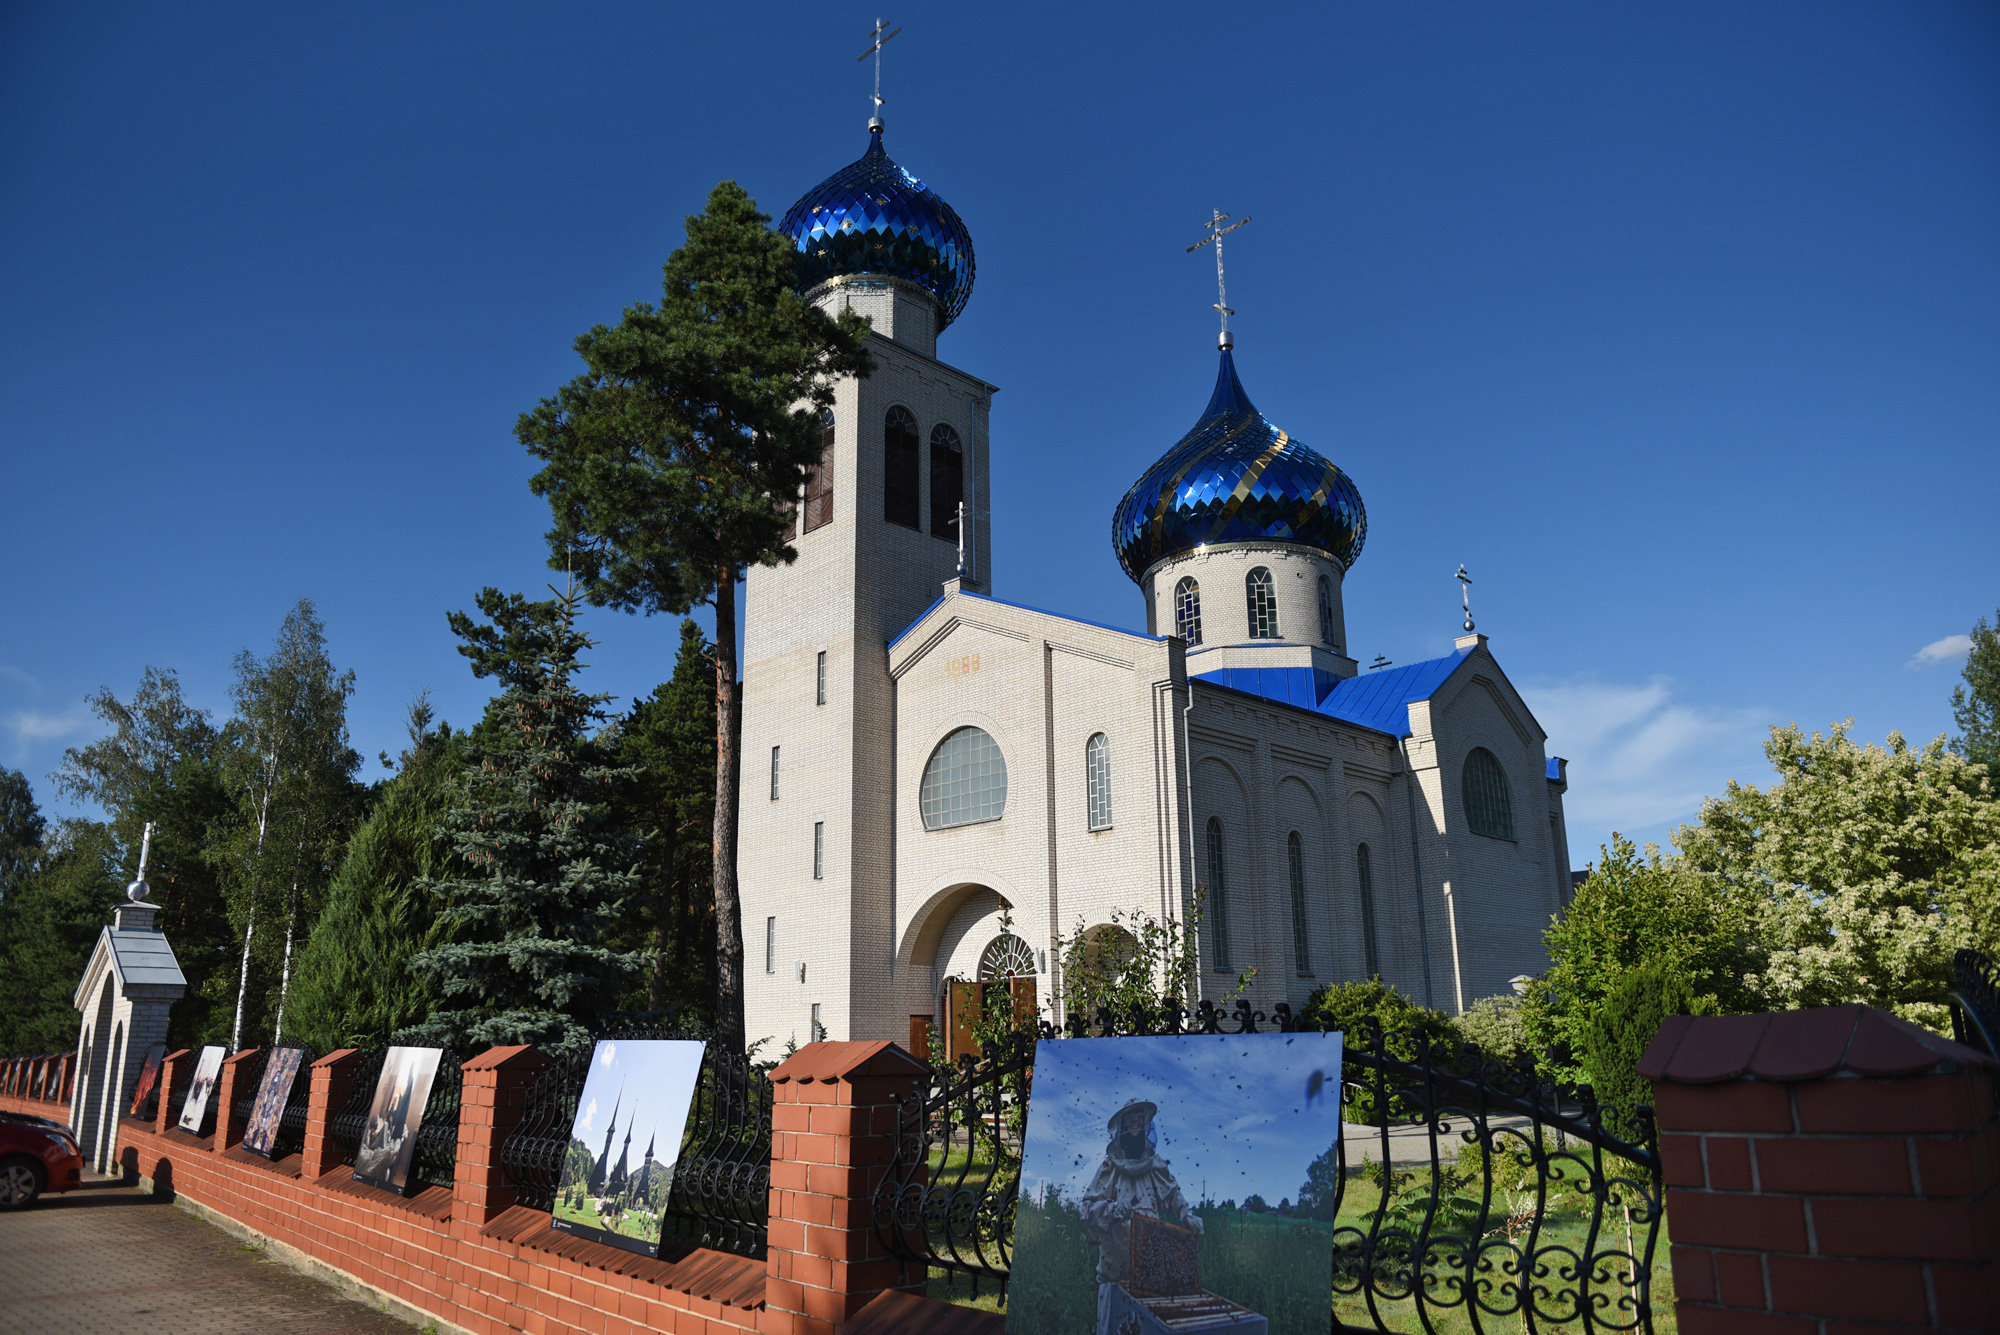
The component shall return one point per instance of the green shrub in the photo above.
(1498, 1027)
(1406, 1026)
(1622, 1029)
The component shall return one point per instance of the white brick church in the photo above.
(922, 755)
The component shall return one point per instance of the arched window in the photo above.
(819, 480)
(965, 781)
(900, 483)
(1008, 956)
(1097, 779)
(1365, 873)
(947, 481)
(1488, 809)
(1295, 861)
(1218, 895)
(1263, 604)
(1325, 611)
(1187, 610)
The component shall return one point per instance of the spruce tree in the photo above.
(546, 876)
(672, 464)
(1975, 701)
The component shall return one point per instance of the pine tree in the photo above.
(21, 830)
(47, 930)
(354, 987)
(546, 876)
(671, 465)
(1975, 701)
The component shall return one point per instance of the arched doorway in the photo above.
(88, 1103)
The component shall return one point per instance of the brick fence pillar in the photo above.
(332, 1082)
(493, 1098)
(833, 1131)
(166, 1114)
(227, 1130)
(1827, 1170)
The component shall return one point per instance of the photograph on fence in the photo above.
(1181, 1183)
(389, 1137)
(279, 1074)
(626, 1139)
(206, 1072)
(149, 1075)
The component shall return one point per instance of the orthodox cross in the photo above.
(881, 38)
(1465, 594)
(1216, 231)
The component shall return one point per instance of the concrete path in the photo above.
(105, 1259)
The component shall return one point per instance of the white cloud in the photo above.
(1640, 759)
(1947, 650)
(35, 725)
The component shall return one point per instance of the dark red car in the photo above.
(36, 1155)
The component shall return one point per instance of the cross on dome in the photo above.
(1216, 231)
(880, 39)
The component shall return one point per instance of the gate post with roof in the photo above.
(1827, 1167)
(128, 987)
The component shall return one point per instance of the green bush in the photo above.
(1622, 1029)
(1406, 1027)
(1498, 1027)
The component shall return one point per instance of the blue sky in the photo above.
(1677, 324)
(1233, 1116)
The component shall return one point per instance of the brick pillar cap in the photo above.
(183, 1052)
(247, 1052)
(1791, 1046)
(514, 1055)
(832, 1062)
(337, 1055)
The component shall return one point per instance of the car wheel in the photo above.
(20, 1182)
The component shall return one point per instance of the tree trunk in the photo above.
(663, 911)
(285, 975)
(250, 923)
(728, 907)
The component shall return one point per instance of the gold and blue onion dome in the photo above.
(873, 217)
(1237, 478)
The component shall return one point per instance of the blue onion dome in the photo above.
(1237, 478)
(872, 217)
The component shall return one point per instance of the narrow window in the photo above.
(899, 469)
(1325, 611)
(1488, 809)
(819, 850)
(819, 481)
(770, 945)
(818, 1029)
(1187, 611)
(1365, 873)
(947, 481)
(819, 690)
(1295, 860)
(774, 774)
(1097, 779)
(1263, 604)
(1218, 896)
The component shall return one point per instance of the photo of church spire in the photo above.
(635, 1091)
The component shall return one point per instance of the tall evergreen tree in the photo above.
(21, 830)
(47, 930)
(354, 987)
(546, 876)
(287, 759)
(671, 464)
(1975, 701)
(160, 763)
(669, 738)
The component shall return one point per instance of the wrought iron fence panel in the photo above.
(347, 1125)
(1975, 1010)
(243, 1096)
(435, 1163)
(1526, 1205)
(532, 1154)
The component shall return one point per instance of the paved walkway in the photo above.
(106, 1258)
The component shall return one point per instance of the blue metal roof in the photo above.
(1555, 769)
(1376, 700)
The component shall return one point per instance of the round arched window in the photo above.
(1488, 809)
(965, 781)
(1007, 957)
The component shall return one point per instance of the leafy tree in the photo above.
(21, 830)
(545, 876)
(1975, 701)
(354, 986)
(671, 463)
(286, 758)
(1866, 867)
(47, 929)
(1321, 1189)
(1621, 1030)
(160, 763)
(669, 738)
(1407, 1028)
(1636, 910)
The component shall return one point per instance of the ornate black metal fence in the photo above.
(722, 1180)
(1975, 1010)
(435, 1161)
(1469, 1192)
(250, 1071)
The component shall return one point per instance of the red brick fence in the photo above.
(1828, 1173)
